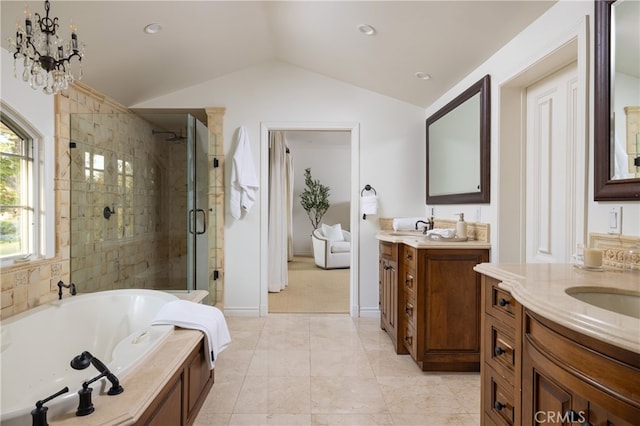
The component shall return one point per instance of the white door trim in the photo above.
(511, 144)
(354, 129)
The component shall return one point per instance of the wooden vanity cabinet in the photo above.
(444, 304)
(577, 378)
(182, 397)
(535, 371)
(389, 300)
(500, 361)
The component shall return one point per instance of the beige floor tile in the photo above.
(233, 362)
(340, 364)
(388, 363)
(346, 395)
(280, 363)
(418, 395)
(434, 419)
(271, 419)
(352, 419)
(223, 395)
(283, 339)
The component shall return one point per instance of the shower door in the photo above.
(197, 205)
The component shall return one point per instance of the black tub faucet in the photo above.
(71, 287)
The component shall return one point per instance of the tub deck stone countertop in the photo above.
(142, 384)
(542, 289)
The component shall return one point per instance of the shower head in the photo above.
(173, 138)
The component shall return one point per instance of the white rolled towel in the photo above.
(406, 223)
(443, 233)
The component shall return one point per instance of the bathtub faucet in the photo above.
(71, 287)
(83, 360)
(39, 414)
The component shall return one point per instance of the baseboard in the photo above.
(370, 312)
(241, 312)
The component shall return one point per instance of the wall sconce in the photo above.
(108, 211)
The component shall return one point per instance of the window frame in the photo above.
(35, 232)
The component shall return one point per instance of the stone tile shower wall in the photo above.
(118, 163)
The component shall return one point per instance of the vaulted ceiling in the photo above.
(203, 40)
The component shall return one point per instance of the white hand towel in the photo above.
(244, 182)
(406, 223)
(443, 233)
(369, 204)
(208, 319)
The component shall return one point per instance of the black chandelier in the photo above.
(46, 57)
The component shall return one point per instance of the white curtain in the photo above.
(289, 206)
(280, 205)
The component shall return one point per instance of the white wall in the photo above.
(555, 28)
(392, 138)
(37, 109)
(329, 157)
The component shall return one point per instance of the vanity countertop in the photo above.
(541, 288)
(419, 240)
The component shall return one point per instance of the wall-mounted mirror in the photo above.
(617, 100)
(459, 148)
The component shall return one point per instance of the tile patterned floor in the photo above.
(296, 369)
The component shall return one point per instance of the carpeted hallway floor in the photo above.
(312, 290)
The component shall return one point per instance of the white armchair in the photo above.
(331, 254)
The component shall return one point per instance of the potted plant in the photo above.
(314, 199)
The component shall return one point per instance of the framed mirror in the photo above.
(617, 101)
(459, 148)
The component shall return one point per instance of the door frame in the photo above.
(512, 162)
(354, 129)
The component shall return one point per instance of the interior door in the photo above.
(197, 205)
(551, 197)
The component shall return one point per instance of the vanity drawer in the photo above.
(386, 250)
(410, 311)
(409, 257)
(409, 282)
(499, 347)
(499, 302)
(499, 405)
(410, 339)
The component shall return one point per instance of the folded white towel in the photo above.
(444, 233)
(208, 319)
(369, 204)
(406, 223)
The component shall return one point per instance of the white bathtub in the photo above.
(38, 346)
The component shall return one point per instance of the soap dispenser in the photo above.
(461, 226)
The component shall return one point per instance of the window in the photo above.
(18, 191)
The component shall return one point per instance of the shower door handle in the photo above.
(190, 220)
(204, 222)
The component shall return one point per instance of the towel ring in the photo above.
(368, 188)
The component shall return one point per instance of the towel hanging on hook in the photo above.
(368, 202)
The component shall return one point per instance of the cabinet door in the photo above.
(452, 309)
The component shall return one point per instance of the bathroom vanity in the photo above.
(430, 299)
(548, 357)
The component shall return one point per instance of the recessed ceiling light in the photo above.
(423, 75)
(366, 29)
(154, 28)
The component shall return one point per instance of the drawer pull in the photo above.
(408, 309)
(408, 339)
(498, 351)
(503, 302)
(498, 405)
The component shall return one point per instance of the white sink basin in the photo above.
(615, 300)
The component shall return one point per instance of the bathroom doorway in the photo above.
(309, 288)
(352, 187)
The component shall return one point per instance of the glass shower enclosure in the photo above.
(139, 204)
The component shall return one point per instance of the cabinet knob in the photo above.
(498, 351)
(498, 405)
(408, 309)
(503, 302)
(408, 339)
